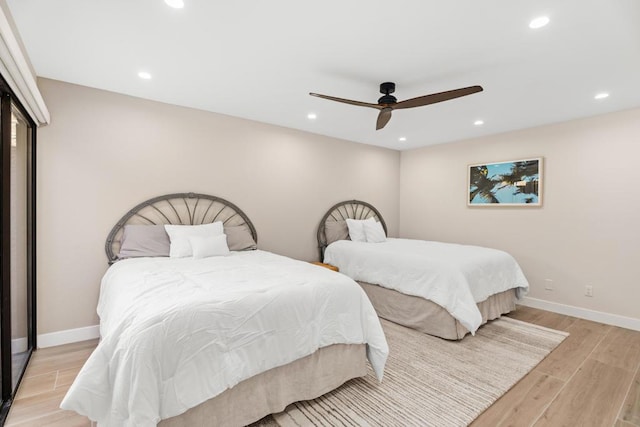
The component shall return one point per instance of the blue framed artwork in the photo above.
(512, 183)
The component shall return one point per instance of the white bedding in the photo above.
(177, 332)
(453, 276)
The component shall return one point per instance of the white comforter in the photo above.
(453, 276)
(176, 332)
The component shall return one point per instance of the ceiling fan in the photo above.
(387, 103)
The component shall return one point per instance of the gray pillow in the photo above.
(336, 230)
(144, 240)
(239, 238)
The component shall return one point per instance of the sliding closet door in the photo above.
(17, 255)
(19, 233)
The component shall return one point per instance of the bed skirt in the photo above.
(271, 391)
(427, 316)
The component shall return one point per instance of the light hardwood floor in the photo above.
(591, 379)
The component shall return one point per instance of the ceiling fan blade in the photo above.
(383, 117)
(437, 97)
(347, 101)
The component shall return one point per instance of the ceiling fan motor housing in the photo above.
(387, 88)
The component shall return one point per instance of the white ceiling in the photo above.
(259, 59)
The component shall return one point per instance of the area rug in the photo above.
(429, 381)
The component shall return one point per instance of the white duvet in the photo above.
(177, 332)
(453, 276)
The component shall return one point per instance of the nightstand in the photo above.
(329, 266)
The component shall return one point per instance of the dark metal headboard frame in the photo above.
(354, 209)
(179, 209)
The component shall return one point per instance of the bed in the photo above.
(442, 289)
(225, 339)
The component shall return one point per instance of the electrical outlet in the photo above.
(588, 290)
(548, 284)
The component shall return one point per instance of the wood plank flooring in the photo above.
(591, 379)
(49, 374)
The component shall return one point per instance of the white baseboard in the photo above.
(582, 313)
(68, 336)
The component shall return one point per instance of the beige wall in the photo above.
(586, 232)
(104, 152)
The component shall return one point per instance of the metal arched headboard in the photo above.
(181, 209)
(354, 209)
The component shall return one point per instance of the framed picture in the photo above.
(512, 183)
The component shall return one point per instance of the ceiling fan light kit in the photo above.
(387, 103)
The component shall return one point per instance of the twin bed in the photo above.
(441, 289)
(190, 338)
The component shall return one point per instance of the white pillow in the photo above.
(179, 236)
(356, 230)
(206, 246)
(374, 232)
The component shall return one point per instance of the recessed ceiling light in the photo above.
(312, 116)
(402, 139)
(144, 75)
(478, 122)
(176, 4)
(539, 22)
(602, 95)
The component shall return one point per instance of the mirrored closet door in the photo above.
(17, 244)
